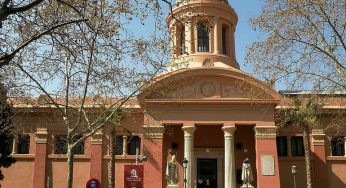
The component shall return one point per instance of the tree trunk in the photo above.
(70, 157)
(307, 157)
(111, 170)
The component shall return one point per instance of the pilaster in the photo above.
(320, 161)
(40, 158)
(267, 164)
(96, 154)
(153, 145)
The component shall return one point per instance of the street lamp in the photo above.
(294, 169)
(185, 162)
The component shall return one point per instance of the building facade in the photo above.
(204, 109)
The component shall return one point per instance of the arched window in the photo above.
(203, 38)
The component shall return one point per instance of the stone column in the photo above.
(217, 36)
(320, 161)
(267, 164)
(96, 156)
(230, 181)
(40, 158)
(124, 145)
(188, 152)
(188, 37)
(232, 31)
(192, 37)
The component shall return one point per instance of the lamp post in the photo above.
(294, 169)
(185, 162)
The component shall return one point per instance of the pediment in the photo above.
(219, 86)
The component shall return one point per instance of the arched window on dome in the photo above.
(203, 38)
(225, 39)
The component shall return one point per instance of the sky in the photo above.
(245, 35)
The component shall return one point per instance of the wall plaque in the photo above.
(267, 163)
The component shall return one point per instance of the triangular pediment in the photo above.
(210, 85)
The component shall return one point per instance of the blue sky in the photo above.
(245, 35)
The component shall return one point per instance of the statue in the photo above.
(246, 174)
(172, 172)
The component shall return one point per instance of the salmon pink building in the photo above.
(203, 109)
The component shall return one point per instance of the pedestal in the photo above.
(173, 186)
(247, 186)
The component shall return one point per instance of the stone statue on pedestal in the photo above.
(172, 173)
(246, 174)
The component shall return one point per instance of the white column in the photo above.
(230, 181)
(124, 145)
(188, 152)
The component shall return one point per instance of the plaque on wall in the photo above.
(267, 163)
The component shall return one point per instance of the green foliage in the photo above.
(305, 113)
(6, 131)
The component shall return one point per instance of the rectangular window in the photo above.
(182, 40)
(60, 144)
(338, 146)
(224, 45)
(118, 145)
(9, 146)
(281, 143)
(23, 144)
(297, 146)
(203, 38)
(79, 149)
(133, 143)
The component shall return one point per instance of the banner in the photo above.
(133, 176)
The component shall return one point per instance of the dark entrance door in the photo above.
(206, 173)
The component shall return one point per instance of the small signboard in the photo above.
(133, 176)
(267, 163)
(93, 183)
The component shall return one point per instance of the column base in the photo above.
(173, 186)
(247, 186)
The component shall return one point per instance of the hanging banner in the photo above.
(133, 176)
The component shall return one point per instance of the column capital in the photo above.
(265, 132)
(41, 135)
(153, 131)
(190, 129)
(96, 138)
(229, 129)
(318, 137)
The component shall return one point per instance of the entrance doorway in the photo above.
(207, 173)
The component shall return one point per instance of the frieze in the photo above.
(263, 132)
